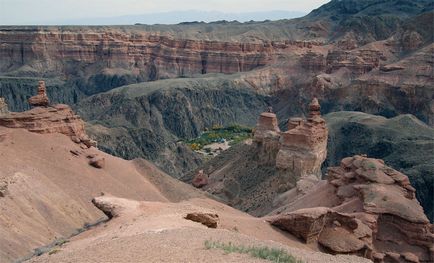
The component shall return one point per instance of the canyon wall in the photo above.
(100, 59)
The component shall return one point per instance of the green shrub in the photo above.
(271, 254)
(234, 134)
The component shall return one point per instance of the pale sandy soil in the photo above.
(157, 232)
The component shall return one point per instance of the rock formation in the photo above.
(56, 119)
(207, 219)
(97, 162)
(41, 99)
(313, 61)
(352, 133)
(377, 215)
(267, 127)
(303, 148)
(48, 119)
(3, 107)
(200, 179)
(358, 62)
(253, 174)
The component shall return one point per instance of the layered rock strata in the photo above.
(377, 215)
(56, 119)
(359, 62)
(303, 148)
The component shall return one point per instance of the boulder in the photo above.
(340, 240)
(97, 162)
(207, 219)
(200, 179)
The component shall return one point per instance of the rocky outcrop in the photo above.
(56, 119)
(41, 99)
(113, 206)
(97, 162)
(358, 62)
(303, 148)
(267, 127)
(253, 174)
(48, 119)
(3, 107)
(200, 179)
(207, 219)
(377, 217)
(300, 150)
(403, 142)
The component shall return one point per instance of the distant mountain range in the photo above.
(176, 17)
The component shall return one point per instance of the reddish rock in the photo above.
(304, 223)
(303, 148)
(207, 219)
(376, 208)
(41, 99)
(97, 162)
(357, 61)
(55, 119)
(267, 127)
(340, 240)
(313, 61)
(200, 179)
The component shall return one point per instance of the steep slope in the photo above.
(48, 189)
(148, 119)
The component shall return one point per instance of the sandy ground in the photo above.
(157, 232)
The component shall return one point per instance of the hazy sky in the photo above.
(37, 11)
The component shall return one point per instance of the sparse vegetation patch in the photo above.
(271, 254)
(233, 134)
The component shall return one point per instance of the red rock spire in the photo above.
(41, 99)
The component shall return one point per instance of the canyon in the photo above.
(50, 191)
(95, 125)
(51, 173)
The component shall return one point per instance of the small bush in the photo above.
(271, 254)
